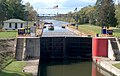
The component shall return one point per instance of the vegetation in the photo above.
(118, 14)
(117, 65)
(89, 29)
(14, 69)
(5, 58)
(101, 14)
(93, 30)
(15, 9)
(105, 13)
(8, 34)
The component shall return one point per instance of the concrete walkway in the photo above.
(77, 32)
(107, 64)
(31, 67)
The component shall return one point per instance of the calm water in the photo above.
(81, 68)
(71, 68)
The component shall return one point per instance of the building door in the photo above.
(15, 25)
(21, 25)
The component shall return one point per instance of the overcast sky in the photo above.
(64, 6)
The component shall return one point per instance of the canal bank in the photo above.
(76, 32)
(105, 62)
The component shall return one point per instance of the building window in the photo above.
(10, 25)
(21, 25)
(15, 25)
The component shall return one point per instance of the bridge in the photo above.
(50, 16)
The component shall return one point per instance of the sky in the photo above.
(64, 6)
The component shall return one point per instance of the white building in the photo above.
(13, 24)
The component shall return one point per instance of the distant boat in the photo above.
(47, 24)
(51, 27)
(63, 26)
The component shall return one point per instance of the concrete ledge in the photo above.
(106, 63)
(76, 32)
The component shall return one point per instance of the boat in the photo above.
(63, 26)
(44, 26)
(51, 27)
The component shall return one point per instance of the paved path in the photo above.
(32, 66)
(107, 64)
(77, 32)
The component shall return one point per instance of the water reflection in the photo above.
(69, 68)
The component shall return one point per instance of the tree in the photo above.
(86, 15)
(105, 11)
(118, 14)
(3, 10)
(32, 14)
(70, 17)
(16, 9)
(11, 9)
(90, 14)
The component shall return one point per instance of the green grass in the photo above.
(116, 32)
(8, 34)
(117, 65)
(93, 30)
(90, 29)
(14, 69)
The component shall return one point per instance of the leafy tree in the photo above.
(3, 10)
(118, 14)
(15, 9)
(30, 11)
(105, 11)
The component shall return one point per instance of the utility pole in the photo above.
(27, 20)
(38, 19)
(76, 18)
(27, 13)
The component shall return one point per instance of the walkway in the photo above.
(107, 64)
(32, 66)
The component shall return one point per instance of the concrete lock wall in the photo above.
(110, 51)
(19, 49)
(32, 48)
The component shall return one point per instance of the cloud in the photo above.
(64, 5)
(78, 3)
(91, 1)
(71, 5)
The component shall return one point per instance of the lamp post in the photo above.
(27, 20)
(76, 18)
(27, 13)
(38, 19)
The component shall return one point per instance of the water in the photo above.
(57, 26)
(72, 69)
(58, 30)
(69, 68)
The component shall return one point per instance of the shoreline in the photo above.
(106, 64)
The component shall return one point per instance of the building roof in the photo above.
(14, 21)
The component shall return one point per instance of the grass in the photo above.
(93, 30)
(14, 69)
(117, 65)
(8, 34)
(116, 32)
